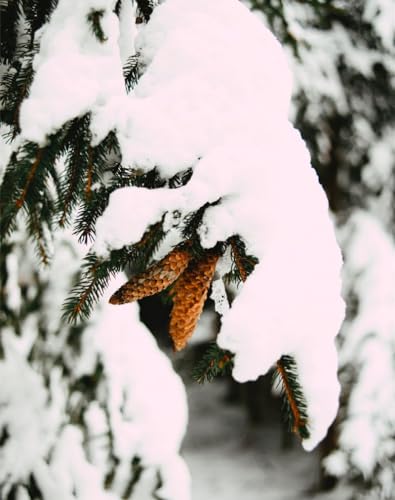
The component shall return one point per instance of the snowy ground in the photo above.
(229, 460)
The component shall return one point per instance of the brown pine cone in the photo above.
(155, 279)
(189, 295)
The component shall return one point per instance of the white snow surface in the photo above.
(192, 97)
(74, 72)
(146, 399)
(192, 108)
(142, 381)
(30, 422)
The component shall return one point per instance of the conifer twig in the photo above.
(70, 192)
(297, 419)
(214, 362)
(89, 174)
(294, 401)
(238, 260)
(20, 201)
(78, 307)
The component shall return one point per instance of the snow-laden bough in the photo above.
(193, 108)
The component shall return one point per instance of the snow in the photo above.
(29, 422)
(163, 118)
(146, 400)
(243, 151)
(381, 12)
(141, 382)
(368, 348)
(89, 73)
(129, 355)
(127, 30)
(218, 295)
(194, 107)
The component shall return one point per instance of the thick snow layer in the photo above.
(30, 422)
(193, 96)
(142, 382)
(146, 400)
(192, 108)
(74, 72)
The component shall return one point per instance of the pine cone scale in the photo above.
(189, 295)
(155, 279)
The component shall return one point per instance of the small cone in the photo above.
(189, 295)
(155, 279)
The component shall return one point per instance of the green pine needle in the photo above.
(294, 403)
(215, 362)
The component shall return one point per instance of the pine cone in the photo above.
(189, 295)
(155, 279)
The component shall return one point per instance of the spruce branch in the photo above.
(70, 185)
(90, 210)
(21, 200)
(244, 264)
(10, 14)
(28, 183)
(85, 166)
(97, 273)
(294, 403)
(38, 12)
(94, 19)
(38, 225)
(215, 362)
(90, 286)
(15, 85)
(131, 72)
(14, 183)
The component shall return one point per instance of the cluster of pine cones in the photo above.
(191, 277)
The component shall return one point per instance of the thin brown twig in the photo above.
(238, 262)
(298, 420)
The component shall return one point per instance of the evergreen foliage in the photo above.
(215, 362)
(68, 182)
(294, 403)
